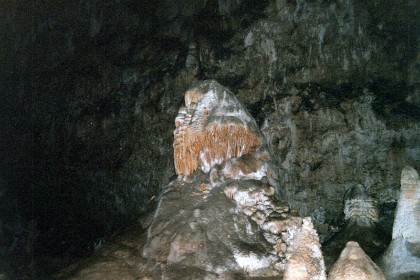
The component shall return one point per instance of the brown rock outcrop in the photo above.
(226, 197)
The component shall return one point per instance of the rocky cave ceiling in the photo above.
(90, 91)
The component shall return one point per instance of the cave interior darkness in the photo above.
(90, 90)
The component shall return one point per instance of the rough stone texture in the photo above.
(304, 258)
(209, 233)
(354, 264)
(90, 90)
(342, 35)
(325, 151)
(402, 258)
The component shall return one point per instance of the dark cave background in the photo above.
(89, 91)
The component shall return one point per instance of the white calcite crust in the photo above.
(359, 207)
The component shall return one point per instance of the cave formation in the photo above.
(90, 91)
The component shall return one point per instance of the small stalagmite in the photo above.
(402, 258)
(407, 218)
(304, 256)
(354, 264)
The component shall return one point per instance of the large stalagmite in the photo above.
(407, 218)
(228, 218)
(402, 258)
(221, 218)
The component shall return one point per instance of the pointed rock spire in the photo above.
(402, 258)
(354, 264)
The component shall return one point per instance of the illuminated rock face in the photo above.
(212, 128)
(402, 258)
(354, 264)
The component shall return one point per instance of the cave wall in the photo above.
(90, 91)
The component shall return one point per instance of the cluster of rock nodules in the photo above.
(222, 215)
(402, 258)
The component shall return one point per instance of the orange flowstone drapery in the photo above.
(215, 144)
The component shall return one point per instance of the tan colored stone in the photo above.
(304, 257)
(354, 264)
(218, 142)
